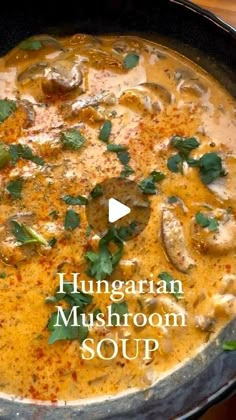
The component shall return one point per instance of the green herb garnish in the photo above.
(184, 146)
(207, 222)
(18, 151)
(175, 163)
(148, 185)
(102, 263)
(72, 220)
(73, 201)
(131, 60)
(126, 171)
(26, 235)
(5, 156)
(120, 308)
(229, 345)
(116, 148)
(173, 199)
(168, 279)
(210, 167)
(54, 214)
(97, 191)
(105, 131)
(7, 107)
(72, 139)
(52, 242)
(3, 275)
(124, 157)
(15, 188)
(68, 332)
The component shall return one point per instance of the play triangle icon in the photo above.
(117, 210)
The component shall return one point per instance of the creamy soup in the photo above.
(75, 112)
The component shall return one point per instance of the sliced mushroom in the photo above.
(150, 97)
(174, 242)
(224, 304)
(218, 242)
(225, 187)
(63, 76)
(102, 59)
(73, 109)
(205, 323)
(33, 72)
(29, 111)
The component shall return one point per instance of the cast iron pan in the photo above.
(210, 376)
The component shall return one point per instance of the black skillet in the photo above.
(210, 376)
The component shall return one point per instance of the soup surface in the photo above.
(75, 112)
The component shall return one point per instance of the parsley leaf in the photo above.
(126, 171)
(72, 139)
(73, 201)
(7, 107)
(97, 191)
(184, 146)
(5, 156)
(126, 232)
(123, 157)
(102, 263)
(207, 222)
(18, 151)
(26, 235)
(210, 166)
(3, 275)
(105, 131)
(72, 220)
(115, 148)
(229, 345)
(54, 214)
(175, 163)
(168, 279)
(120, 308)
(148, 186)
(68, 332)
(131, 60)
(173, 199)
(52, 242)
(15, 188)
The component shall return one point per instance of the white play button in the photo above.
(117, 210)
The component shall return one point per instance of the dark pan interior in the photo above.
(213, 45)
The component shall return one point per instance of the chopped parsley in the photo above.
(210, 167)
(72, 220)
(131, 60)
(97, 191)
(18, 151)
(173, 199)
(7, 107)
(105, 131)
(73, 201)
(184, 147)
(116, 148)
(5, 156)
(207, 222)
(68, 332)
(126, 171)
(120, 308)
(148, 185)
(72, 139)
(15, 188)
(52, 242)
(168, 279)
(26, 235)
(54, 214)
(102, 263)
(3, 275)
